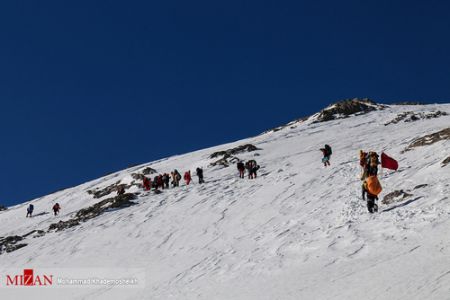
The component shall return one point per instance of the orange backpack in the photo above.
(373, 185)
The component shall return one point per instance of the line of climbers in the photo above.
(251, 166)
(369, 162)
(56, 208)
(162, 181)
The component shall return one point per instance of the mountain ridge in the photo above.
(297, 231)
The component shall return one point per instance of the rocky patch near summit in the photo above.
(346, 108)
(429, 139)
(410, 116)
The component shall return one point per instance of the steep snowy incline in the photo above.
(298, 231)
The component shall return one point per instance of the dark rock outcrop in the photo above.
(2, 207)
(446, 161)
(148, 171)
(420, 186)
(99, 193)
(408, 103)
(234, 151)
(344, 109)
(228, 156)
(95, 210)
(10, 244)
(395, 196)
(410, 116)
(61, 225)
(429, 139)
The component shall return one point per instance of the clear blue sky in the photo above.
(90, 87)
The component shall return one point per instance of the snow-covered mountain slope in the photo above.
(298, 231)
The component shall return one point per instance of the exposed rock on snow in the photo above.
(420, 186)
(411, 116)
(346, 108)
(2, 207)
(446, 161)
(61, 225)
(120, 201)
(9, 244)
(95, 210)
(408, 103)
(395, 196)
(148, 171)
(429, 139)
(236, 150)
(229, 155)
(99, 193)
(34, 233)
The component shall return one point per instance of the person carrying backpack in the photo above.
(176, 177)
(255, 169)
(56, 208)
(166, 179)
(371, 189)
(160, 182)
(251, 167)
(326, 151)
(200, 175)
(187, 177)
(147, 184)
(30, 210)
(241, 169)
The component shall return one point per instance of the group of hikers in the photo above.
(251, 166)
(56, 208)
(369, 162)
(163, 181)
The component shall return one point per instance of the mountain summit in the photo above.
(297, 231)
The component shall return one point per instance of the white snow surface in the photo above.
(298, 231)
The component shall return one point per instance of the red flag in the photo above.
(388, 162)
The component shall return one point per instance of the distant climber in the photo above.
(241, 169)
(371, 189)
(160, 181)
(252, 167)
(326, 151)
(166, 179)
(176, 177)
(155, 182)
(30, 210)
(56, 208)
(187, 177)
(147, 184)
(199, 172)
